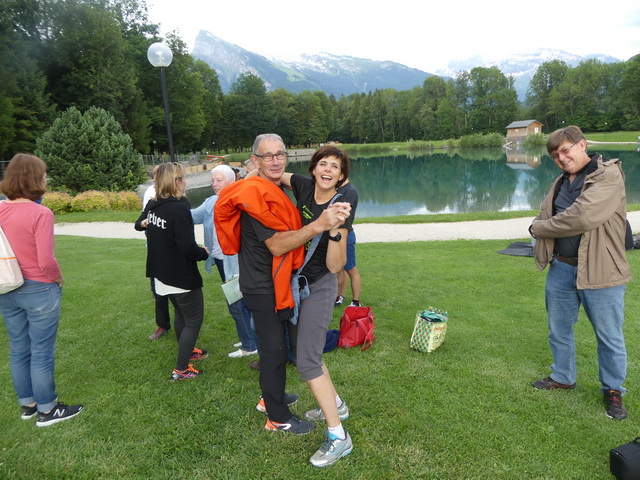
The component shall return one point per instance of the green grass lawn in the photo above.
(464, 411)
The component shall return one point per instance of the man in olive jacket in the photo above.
(580, 233)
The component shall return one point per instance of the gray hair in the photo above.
(265, 136)
(226, 171)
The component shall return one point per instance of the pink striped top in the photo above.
(29, 229)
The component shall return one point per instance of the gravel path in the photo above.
(512, 229)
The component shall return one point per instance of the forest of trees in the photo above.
(57, 54)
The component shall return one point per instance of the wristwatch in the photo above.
(337, 238)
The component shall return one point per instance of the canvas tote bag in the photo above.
(10, 273)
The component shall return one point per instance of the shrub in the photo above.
(58, 202)
(90, 200)
(494, 140)
(89, 150)
(124, 201)
(535, 140)
(480, 141)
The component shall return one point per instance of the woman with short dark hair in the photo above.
(32, 312)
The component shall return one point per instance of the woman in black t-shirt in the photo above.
(329, 168)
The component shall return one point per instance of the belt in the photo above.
(568, 260)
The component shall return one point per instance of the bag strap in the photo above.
(316, 239)
(368, 334)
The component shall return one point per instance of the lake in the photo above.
(461, 181)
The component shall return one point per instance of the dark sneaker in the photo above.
(295, 425)
(316, 415)
(289, 398)
(354, 303)
(160, 332)
(339, 300)
(613, 405)
(332, 450)
(28, 412)
(190, 372)
(550, 384)
(254, 365)
(59, 413)
(199, 354)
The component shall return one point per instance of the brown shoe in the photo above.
(550, 384)
(160, 332)
(254, 365)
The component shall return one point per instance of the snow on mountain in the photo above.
(522, 66)
(340, 75)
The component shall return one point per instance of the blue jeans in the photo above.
(32, 314)
(605, 310)
(244, 325)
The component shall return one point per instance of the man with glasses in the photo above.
(580, 233)
(256, 219)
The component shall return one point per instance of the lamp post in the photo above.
(160, 56)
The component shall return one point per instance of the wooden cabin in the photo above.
(517, 131)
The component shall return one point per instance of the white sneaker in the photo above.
(332, 450)
(317, 415)
(239, 344)
(241, 353)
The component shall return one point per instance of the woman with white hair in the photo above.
(203, 215)
(221, 176)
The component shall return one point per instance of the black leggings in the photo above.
(189, 313)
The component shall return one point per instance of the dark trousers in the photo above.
(189, 313)
(163, 320)
(273, 354)
(220, 264)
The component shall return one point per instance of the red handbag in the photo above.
(356, 327)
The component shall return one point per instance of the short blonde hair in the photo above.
(166, 178)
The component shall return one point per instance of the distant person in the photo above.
(580, 234)
(163, 318)
(329, 168)
(203, 215)
(32, 312)
(150, 192)
(257, 219)
(172, 256)
(249, 166)
(222, 176)
(350, 270)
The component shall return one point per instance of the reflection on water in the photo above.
(464, 181)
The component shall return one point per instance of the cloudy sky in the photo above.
(417, 33)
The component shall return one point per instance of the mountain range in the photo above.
(344, 75)
(522, 66)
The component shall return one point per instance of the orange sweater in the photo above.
(268, 204)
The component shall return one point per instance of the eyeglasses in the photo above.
(268, 157)
(564, 151)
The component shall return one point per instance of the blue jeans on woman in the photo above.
(244, 325)
(32, 314)
(604, 308)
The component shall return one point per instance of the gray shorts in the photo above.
(310, 334)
